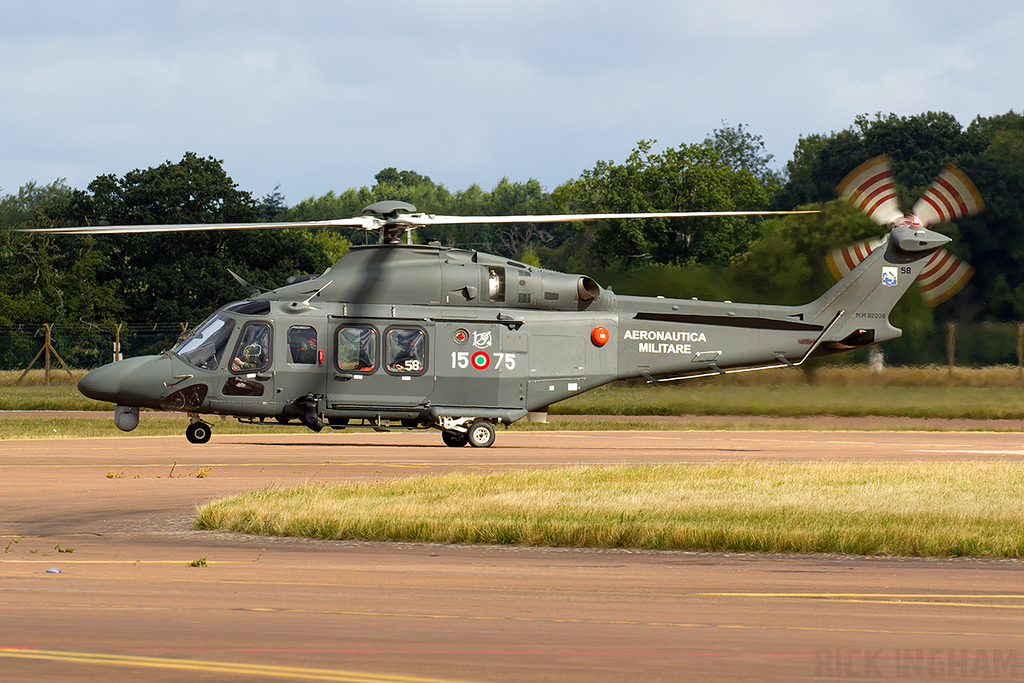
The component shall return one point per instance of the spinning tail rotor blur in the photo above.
(871, 187)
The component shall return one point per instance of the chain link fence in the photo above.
(84, 346)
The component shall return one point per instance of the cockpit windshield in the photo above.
(204, 348)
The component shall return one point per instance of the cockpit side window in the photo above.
(252, 352)
(204, 348)
(357, 349)
(302, 348)
(405, 351)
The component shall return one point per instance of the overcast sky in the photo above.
(316, 96)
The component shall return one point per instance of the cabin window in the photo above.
(205, 346)
(252, 353)
(496, 283)
(357, 349)
(302, 348)
(405, 351)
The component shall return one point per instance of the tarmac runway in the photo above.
(114, 517)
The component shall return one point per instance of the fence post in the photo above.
(1020, 349)
(950, 345)
(48, 349)
(117, 343)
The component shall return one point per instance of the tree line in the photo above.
(83, 281)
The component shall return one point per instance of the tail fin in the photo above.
(944, 275)
(866, 294)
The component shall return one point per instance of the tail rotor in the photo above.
(871, 187)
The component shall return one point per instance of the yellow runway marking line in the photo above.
(556, 620)
(211, 666)
(930, 603)
(937, 599)
(929, 600)
(594, 621)
(890, 596)
(973, 451)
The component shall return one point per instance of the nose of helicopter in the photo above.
(132, 382)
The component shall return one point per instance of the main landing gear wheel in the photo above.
(454, 439)
(198, 432)
(481, 434)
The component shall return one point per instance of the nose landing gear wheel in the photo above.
(481, 434)
(198, 432)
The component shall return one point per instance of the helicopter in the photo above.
(408, 336)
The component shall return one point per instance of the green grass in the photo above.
(755, 423)
(908, 509)
(34, 394)
(845, 391)
(799, 400)
(81, 427)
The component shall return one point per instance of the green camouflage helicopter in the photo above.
(424, 336)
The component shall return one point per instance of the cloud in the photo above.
(317, 96)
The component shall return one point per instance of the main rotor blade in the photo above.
(401, 222)
(951, 195)
(871, 187)
(423, 219)
(359, 223)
